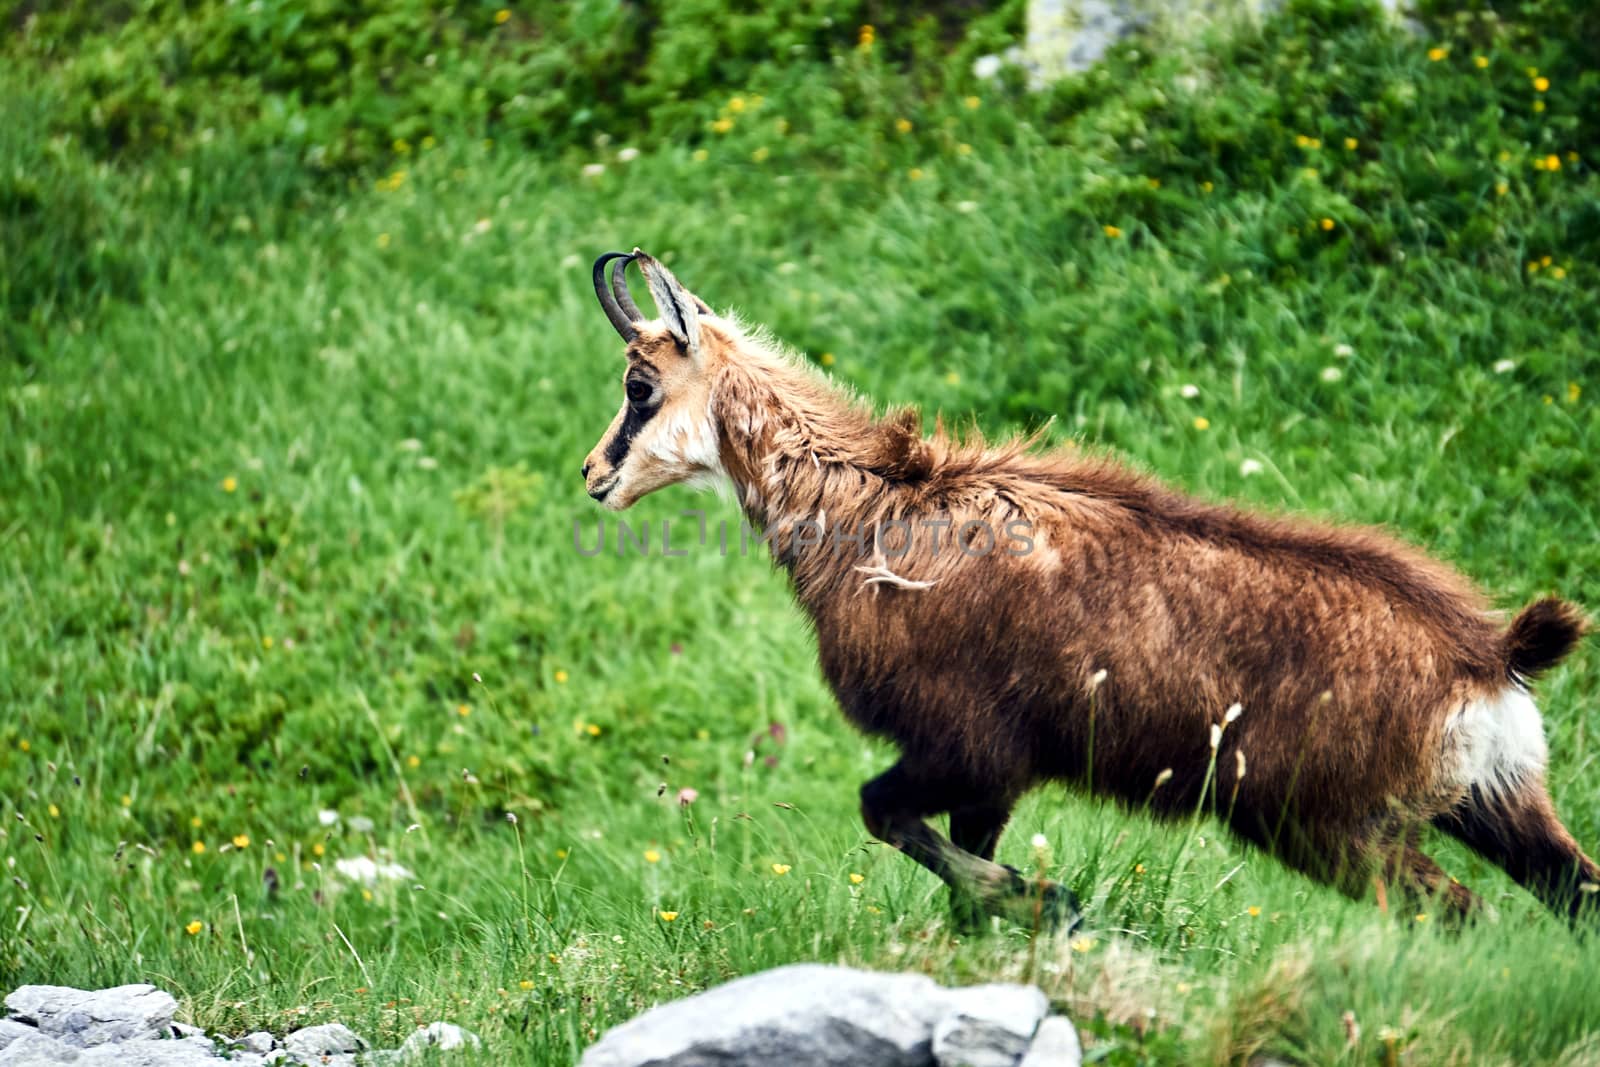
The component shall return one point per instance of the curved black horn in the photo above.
(619, 319)
(619, 288)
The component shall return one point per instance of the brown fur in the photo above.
(1347, 650)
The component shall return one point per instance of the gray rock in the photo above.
(11, 1030)
(330, 1039)
(1055, 1044)
(440, 1036)
(259, 1043)
(808, 1015)
(83, 1019)
(153, 1052)
(36, 1050)
(990, 1026)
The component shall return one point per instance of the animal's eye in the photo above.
(639, 392)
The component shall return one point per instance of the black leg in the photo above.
(977, 828)
(894, 806)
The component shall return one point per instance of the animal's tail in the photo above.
(1541, 636)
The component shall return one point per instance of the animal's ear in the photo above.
(680, 309)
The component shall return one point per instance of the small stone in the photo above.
(330, 1039)
(36, 1050)
(83, 1019)
(1055, 1044)
(260, 1042)
(989, 1026)
(440, 1036)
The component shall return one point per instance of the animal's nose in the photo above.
(586, 472)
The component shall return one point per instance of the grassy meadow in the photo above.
(289, 484)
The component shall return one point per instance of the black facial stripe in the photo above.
(633, 421)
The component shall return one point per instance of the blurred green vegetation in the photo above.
(300, 359)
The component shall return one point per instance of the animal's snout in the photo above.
(586, 471)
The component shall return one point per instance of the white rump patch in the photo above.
(1497, 742)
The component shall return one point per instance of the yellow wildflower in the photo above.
(1326, 223)
(1538, 106)
(1501, 188)
(915, 174)
(952, 378)
(972, 103)
(1422, 917)
(781, 869)
(700, 155)
(1435, 54)
(1202, 423)
(1082, 944)
(1155, 183)
(736, 105)
(652, 856)
(1255, 912)
(1558, 273)
(826, 359)
(198, 847)
(413, 762)
(903, 125)
(1480, 61)
(366, 894)
(194, 927)
(1111, 231)
(525, 984)
(593, 730)
(722, 125)
(668, 916)
(127, 801)
(865, 37)
(383, 242)
(1541, 85)
(1351, 144)
(318, 848)
(501, 17)
(963, 149)
(23, 745)
(1552, 162)
(55, 812)
(760, 155)
(1206, 187)
(463, 710)
(194, 821)
(241, 840)
(229, 484)
(1574, 390)
(428, 142)
(1138, 868)
(856, 879)
(266, 641)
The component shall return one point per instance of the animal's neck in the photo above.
(805, 461)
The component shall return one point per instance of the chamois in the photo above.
(1008, 617)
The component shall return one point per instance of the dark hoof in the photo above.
(1045, 907)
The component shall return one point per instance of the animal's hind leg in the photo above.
(1517, 829)
(1416, 875)
(895, 805)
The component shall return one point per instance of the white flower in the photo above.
(1249, 467)
(967, 207)
(594, 170)
(368, 872)
(1233, 713)
(1331, 374)
(1189, 391)
(1343, 351)
(628, 155)
(1040, 842)
(1216, 735)
(1504, 366)
(327, 817)
(1096, 678)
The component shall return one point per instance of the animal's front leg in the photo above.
(894, 806)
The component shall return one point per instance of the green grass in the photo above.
(287, 469)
